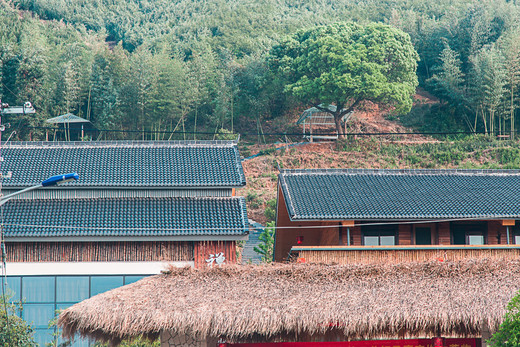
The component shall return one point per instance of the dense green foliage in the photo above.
(192, 65)
(138, 342)
(508, 335)
(266, 246)
(14, 331)
(346, 63)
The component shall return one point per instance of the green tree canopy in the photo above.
(509, 332)
(14, 331)
(346, 63)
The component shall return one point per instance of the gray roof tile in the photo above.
(401, 194)
(172, 164)
(126, 217)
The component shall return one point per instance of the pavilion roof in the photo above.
(67, 118)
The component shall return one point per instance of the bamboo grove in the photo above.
(193, 66)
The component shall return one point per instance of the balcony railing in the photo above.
(401, 254)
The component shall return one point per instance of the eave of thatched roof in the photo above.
(363, 301)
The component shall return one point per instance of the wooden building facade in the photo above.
(137, 208)
(372, 216)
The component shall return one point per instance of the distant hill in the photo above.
(145, 69)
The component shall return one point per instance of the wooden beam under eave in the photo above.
(508, 222)
(348, 223)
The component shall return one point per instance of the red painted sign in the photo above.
(369, 343)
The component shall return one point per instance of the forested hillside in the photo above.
(200, 65)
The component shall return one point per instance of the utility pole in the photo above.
(27, 108)
(6, 109)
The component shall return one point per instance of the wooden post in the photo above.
(486, 334)
(310, 127)
(348, 224)
(507, 223)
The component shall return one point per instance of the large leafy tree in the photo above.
(346, 63)
(509, 332)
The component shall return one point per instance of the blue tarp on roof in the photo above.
(126, 217)
(172, 164)
(401, 194)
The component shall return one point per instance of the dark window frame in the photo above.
(379, 230)
(473, 230)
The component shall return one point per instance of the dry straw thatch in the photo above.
(242, 303)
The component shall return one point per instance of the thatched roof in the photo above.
(356, 301)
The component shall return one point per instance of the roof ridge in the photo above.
(138, 143)
(401, 171)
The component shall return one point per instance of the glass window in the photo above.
(371, 241)
(475, 239)
(38, 289)
(468, 233)
(13, 288)
(72, 288)
(78, 342)
(379, 235)
(379, 240)
(61, 307)
(387, 240)
(38, 315)
(132, 279)
(100, 284)
(517, 239)
(43, 336)
(44, 294)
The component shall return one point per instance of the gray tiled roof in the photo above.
(126, 217)
(401, 194)
(172, 164)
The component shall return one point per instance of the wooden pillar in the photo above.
(508, 223)
(310, 127)
(346, 224)
(486, 334)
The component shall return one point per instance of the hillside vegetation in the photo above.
(148, 69)
(474, 152)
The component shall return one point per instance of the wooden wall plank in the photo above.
(99, 251)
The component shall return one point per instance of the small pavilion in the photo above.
(319, 125)
(73, 127)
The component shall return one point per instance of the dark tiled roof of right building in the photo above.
(358, 194)
(168, 164)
